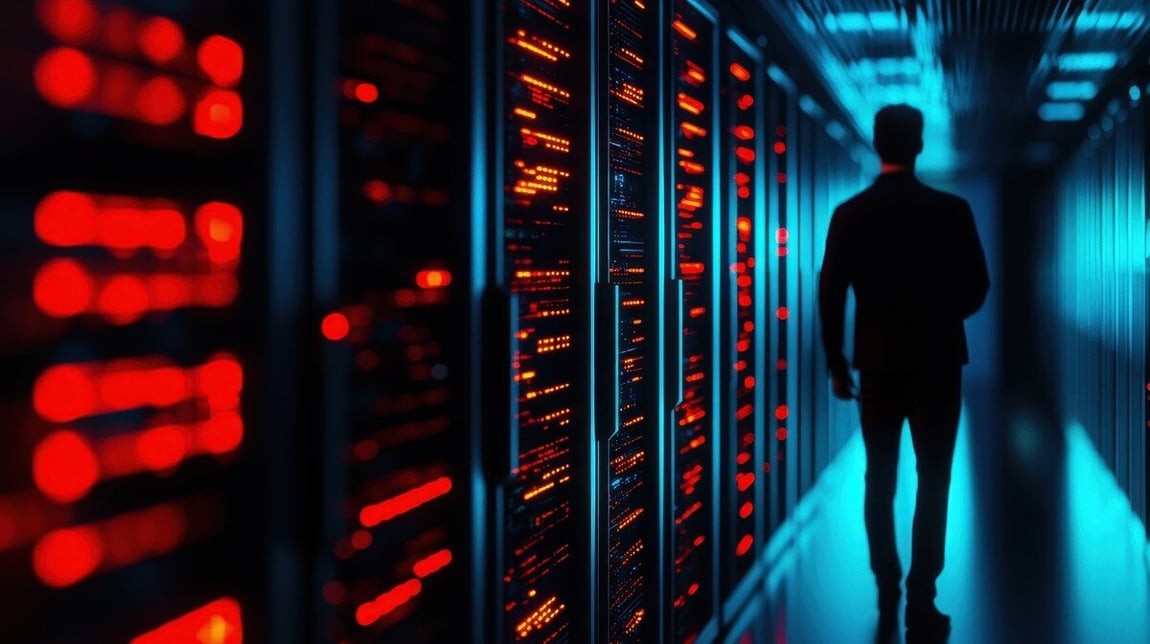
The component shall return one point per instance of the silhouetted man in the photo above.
(913, 257)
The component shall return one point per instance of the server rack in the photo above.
(126, 188)
(391, 281)
(743, 363)
(543, 225)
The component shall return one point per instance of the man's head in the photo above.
(898, 134)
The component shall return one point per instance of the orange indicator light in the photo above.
(219, 622)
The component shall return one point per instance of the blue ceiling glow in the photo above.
(1056, 112)
(1092, 61)
(1072, 90)
(858, 21)
(1109, 20)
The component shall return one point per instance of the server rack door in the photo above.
(696, 206)
(546, 265)
(741, 365)
(789, 311)
(391, 248)
(629, 309)
(774, 468)
(129, 178)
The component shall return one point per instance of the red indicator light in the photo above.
(746, 155)
(689, 104)
(781, 131)
(744, 192)
(684, 30)
(744, 480)
(65, 77)
(782, 235)
(64, 467)
(378, 191)
(744, 545)
(366, 93)
(433, 278)
(745, 102)
(160, 101)
(749, 382)
(781, 177)
(744, 132)
(691, 268)
(124, 298)
(781, 433)
(743, 224)
(64, 557)
(65, 219)
(370, 612)
(780, 147)
(62, 289)
(219, 622)
(361, 539)
(221, 59)
(377, 513)
(781, 412)
(335, 326)
(783, 313)
(219, 114)
(220, 226)
(71, 21)
(740, 72)
(691, 167)
(64, 393)
(781, 365)
(742, 178)
(160, 39)
(431, 564)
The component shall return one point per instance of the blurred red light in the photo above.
(222, 433)
(746, 101)
(781, 177)
(431, 564)
(159, 101)
(65, 218)
(221, 59)
(221, 380)
(370, 612)
(781, 412)
(219, 622)
(744, 545)
(746, 510)
(161, 448)
(335, 326)
(740, 72)
(783, 313)
(743, 224)
(366, 92)
(62, 288)
(781, 364)
(744, 192)
(160, 39)
(219, 114)
(123, 299)
(64, 466)
(120, 31)
(433, 278)
(387, 509)
(782, 235)
(71, 21)
(683, 29)
(65, 77)
(746, 155)
(64, 393)
(780, 147)
(781, 433)
(220, 226)
(744, 132)
(65, 557)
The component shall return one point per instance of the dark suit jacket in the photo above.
(913, 257)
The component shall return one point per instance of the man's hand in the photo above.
(844, 384)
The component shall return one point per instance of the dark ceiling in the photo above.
(982, 70)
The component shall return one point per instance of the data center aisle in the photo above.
(1097, 590)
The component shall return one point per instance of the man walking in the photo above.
(913, 257)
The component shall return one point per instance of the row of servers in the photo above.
(1097, 289)
(404, 321)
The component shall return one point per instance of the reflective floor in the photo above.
(1036, 552)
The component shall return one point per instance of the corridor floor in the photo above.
(1009, 577)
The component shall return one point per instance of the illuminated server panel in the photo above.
(543, 565)
(778, 467)
(632, 236)
(123, 509)
(744, 500)
(392, 281)
(693, 587)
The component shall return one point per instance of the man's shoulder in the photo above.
(945, 199)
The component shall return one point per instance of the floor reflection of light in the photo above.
(1107, 570)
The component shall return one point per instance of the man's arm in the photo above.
(833, 282)
(973, 275)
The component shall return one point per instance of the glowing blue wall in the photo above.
(1096, 295)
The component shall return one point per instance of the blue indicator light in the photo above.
(1061, 111)
(1072, 90)
(1096, 61)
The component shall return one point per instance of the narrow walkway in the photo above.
(822, 590)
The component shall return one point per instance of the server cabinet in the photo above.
(391, 280)
(130, 178)
(628, 309)
(803, 423)
(544, 263)
(696, 436)
(743, 326)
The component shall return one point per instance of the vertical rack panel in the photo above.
(546, 265)
(803, 424)
(628, 307)
(743, 500)
(132, 220)
(694, 213)
(391, 249)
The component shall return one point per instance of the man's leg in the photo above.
(882, 417)
(934, 416)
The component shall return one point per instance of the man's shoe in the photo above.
(926, 620)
